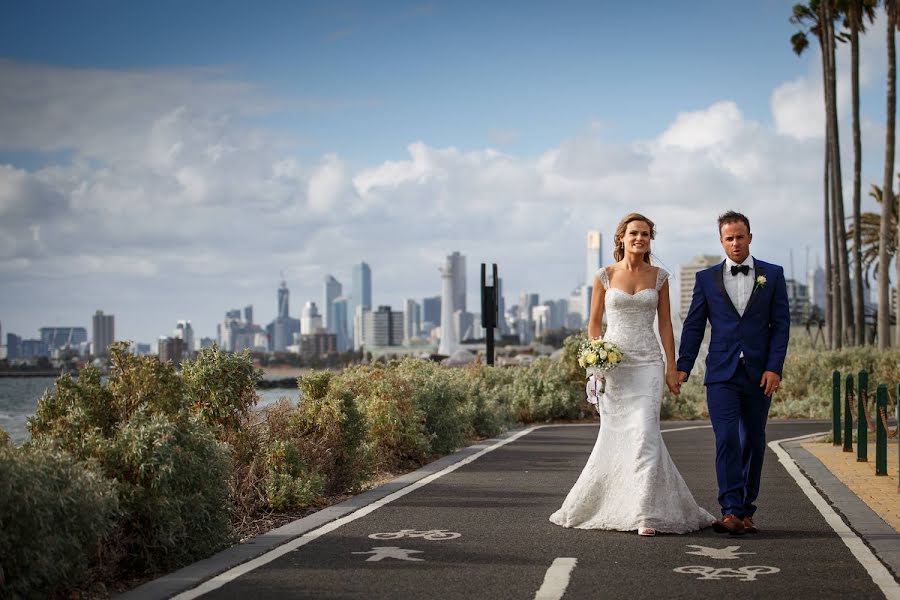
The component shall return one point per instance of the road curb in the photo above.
(192, 575)
(880, 537)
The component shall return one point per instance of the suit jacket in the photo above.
(761, 333)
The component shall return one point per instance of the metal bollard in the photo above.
(880, 432)
(862, 428)
(836, 408)
(848, 413)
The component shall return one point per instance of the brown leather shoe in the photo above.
(750, 526)
(729, 524)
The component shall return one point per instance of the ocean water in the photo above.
(19, 397)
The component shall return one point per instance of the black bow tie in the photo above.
(742, 269)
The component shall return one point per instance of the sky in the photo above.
(173, 160)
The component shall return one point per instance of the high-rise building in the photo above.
(458, 265)
(184, 331)
(463, 323)
(688, 274)
(383, 327)
(104, 333)
(321, 343)
(362, 285)
(359, 326)
(340, 308)
(592, 265)
(13, 346)
(449, 340)
(412, 320)
(431, 311)
(284, 300)
(171, 349)
(541, 315)
(501, 308)
(310, 319)
(248, 314)
(798, 301)
(333, 289)
(815, 280)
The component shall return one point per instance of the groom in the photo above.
(745, 301)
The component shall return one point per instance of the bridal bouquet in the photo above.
(596, 357)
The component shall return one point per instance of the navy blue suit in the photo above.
(741, 348)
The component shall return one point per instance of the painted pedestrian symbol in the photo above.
(381, 552)
(726, 553)
(429, 534)
(741, 574)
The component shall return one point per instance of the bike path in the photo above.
(498, 505)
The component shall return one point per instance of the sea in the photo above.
(19, 398)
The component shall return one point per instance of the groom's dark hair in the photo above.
(733, 217)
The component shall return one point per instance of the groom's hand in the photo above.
(770, 382)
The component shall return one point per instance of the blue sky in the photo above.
(200, 148)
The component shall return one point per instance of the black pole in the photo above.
(489, 309)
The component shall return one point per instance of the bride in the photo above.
(629, 482)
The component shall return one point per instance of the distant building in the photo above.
(360, 295)
(458, 265)
(310, 319)
(688, 275)
(540, 315)
(463, 324)
(60, 338)
(341, 324)
(184, 331)
(104, 333)
(171, 349)
(314, 345)
(798, 301)
(412, 320)
(13, 346)
(333, 289)
(431, 312)
(30, 349)
(141, 349)
(815, 281)
(383, 327)
(359, 327)
(594, 260)
(206, 342)
(284, 300)
(248, 314)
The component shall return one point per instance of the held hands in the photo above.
(770, 381)
(674, 379)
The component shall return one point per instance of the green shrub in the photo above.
(543, 392)
(54, 515)
(440, 394)
(489, 403)
(170, 471)
(221, 386)
(290, 482)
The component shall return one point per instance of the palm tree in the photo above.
(872, 251)
(892, 8)
(844, 301)
(804, 15)
(856, 12)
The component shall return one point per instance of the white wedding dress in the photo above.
(630, 481)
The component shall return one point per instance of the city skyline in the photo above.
(315, 139)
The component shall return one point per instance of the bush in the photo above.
(169, 470)
(440, 394)
(54, 515)
(221, 386)
(543, 392)
(290, 482)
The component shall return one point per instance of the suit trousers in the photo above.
(738, 409)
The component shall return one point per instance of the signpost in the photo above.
(489, 303)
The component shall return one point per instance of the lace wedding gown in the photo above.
(629, 481)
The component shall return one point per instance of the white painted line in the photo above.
(877, 571)
(556, 580)
(232, 574)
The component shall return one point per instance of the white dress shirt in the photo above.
(740, 286)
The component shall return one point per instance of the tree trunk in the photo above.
(887, 196)
(837, 194)
(835, 171)
(858, 303)
(829, 276)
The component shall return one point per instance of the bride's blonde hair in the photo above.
(619, 250)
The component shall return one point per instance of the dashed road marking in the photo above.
(556, 580)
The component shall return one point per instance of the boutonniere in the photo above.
(760, 281)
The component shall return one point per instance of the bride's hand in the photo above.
(673, 382)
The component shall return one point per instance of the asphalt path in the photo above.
(498, 543)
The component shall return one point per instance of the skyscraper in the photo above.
(310, 319)
(592, 265)
(362, 285)
(431, 311)
(104, 333)
(333, 289)
(340, 307)
(412, 320)
(248, 314)
(458, 265)
(185, 331)
(283, 300)
(816, 285)
(383, 327)
(689, 275)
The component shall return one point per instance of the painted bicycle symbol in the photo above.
(429, 534)
(742, 573)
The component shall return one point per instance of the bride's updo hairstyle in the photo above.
(619, 251)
